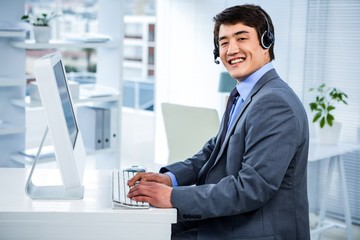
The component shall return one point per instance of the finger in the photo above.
(139, 189)
(157, 177)
(136, 178)
(143, 192)
(155, 194)
(151, 177)
(143, 199)
(142, 189)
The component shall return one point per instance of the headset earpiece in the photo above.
(267, 39)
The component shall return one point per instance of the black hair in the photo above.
(250, 15)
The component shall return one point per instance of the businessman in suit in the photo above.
(248, 182)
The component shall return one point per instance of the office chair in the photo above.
(187, 129)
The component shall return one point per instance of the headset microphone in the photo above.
(216, 52)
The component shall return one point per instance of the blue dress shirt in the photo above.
(244, 88)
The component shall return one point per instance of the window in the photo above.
(332, 57)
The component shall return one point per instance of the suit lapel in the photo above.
(270, 75)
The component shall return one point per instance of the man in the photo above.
(248, 182)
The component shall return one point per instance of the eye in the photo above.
(241, 39)
(223, 43)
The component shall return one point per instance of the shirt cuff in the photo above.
(173, 179)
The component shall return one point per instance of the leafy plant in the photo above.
(40, 20)
(324, 104)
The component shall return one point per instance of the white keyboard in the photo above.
(120, 189)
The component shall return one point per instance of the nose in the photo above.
(233, 48)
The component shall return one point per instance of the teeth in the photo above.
(236, 60)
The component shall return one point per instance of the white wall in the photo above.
(184, 58)
(184, 52)
(137, 137)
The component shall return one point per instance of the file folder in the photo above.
(91, 126)
(110, 127)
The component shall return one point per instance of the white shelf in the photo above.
(10, 82)
(22, 159)
(29, 160)
(133, 42)
(133, 64)
(139, 33)
(139, 19)
(30, 44)
(28, 103)
(137, 64)
(136, 79)
(12, 34)
(137, 42)
(6, 128)
(12, 39)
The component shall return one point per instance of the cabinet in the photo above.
(139, 61)
(109, 73)
(12, 84)
(139, 47)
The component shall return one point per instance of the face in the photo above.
(240, 50)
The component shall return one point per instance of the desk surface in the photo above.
(92, 217)
(319, 151)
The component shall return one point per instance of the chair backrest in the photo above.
(187, 129)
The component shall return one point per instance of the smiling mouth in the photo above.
(238, 60)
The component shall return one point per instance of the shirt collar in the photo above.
(245, 86)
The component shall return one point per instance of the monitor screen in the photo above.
(65, 100)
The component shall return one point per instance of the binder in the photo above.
(110, 127)
(106, 127)
(90, 121)
(114, 130)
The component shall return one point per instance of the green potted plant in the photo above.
(41, 27)
(328, 130)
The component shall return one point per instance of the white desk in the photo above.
(89, 218)
(334, 153)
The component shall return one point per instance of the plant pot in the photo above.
(328, 135)
(42, 34)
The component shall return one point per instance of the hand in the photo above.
(150, 177)
(156, 194)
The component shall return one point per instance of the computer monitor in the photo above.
(64, 131)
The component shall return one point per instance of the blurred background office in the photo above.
(167, 57)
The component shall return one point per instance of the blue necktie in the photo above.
(232, 98)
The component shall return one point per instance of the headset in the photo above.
(267, 39)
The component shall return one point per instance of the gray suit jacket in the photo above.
(254, 186)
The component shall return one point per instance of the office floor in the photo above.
(334, 233)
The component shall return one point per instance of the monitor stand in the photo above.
(50, 192)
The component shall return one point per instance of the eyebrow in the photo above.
(235, 34)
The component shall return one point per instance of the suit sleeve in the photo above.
(263, 146)
(188, 170)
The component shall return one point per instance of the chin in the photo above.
(240, 73)
(236, 75)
